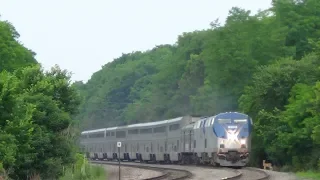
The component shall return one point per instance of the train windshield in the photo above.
(240, 121)
(230, 121)
(224, 121)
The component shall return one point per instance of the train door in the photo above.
(166, 146)
(190, 140)
(151, 147)
(184, 141)
(138, 147)
(178, 145)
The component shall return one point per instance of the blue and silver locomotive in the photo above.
(233, 132)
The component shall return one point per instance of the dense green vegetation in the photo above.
(266, 65)
(37, 134)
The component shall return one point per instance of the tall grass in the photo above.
(3, 173)
(312, 175)
(82, 170)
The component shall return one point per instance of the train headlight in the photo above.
(243, 141)
(232, 136)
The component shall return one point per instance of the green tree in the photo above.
(271, 100)
(38, 111)
(13, 54)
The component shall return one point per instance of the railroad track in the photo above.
(167, 173)
(244, 173)
(175, 172)
(249, 173)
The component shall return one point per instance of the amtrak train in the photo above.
(220, 140)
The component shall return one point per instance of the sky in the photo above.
(81, 35)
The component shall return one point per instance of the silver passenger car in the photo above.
(152, 141)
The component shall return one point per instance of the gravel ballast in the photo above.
(129, 173)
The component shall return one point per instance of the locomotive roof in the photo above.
(155, 123)
(232, 113)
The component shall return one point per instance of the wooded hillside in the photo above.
(265, 65)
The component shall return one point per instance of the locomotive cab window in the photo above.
(224, 121)
(240, 121)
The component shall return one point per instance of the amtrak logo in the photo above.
(232, 132)
(232, 127)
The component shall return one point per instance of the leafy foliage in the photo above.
(36, 109)
(266, 65)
